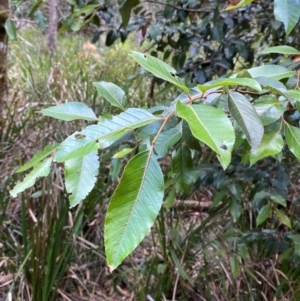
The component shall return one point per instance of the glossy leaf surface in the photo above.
(133, 207)
(159, 69)
(271, 144)
(263, 214)
(288, 12)
(282, 49)
(212, 127)
(246, 117)
(292, 135)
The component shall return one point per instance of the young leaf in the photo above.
(182, 165)
(42, 169)
(70, 111)
(246, 117)
(271, 144)
(282, 49)
(112, 93)
(288, 12)
(239, 5)
(224, 82)
(38, 157)
(263, 214)
(166, 140)
(103, 134)
(159, 69)
(212, 127)
(133, 207)
(283, 218)
(292, 135)
(272, 71)
(80, 176)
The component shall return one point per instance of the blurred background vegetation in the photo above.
(206, 246)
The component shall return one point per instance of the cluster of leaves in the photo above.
(252, 113)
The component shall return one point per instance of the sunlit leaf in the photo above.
(271, 144)
(288, 12)
(224, 82)
(11, 30)
(70, 111)
(283, 218)
(292, 135)
(211, 126)
(133, 207)
(166, 140)
(38, 157)
(103, 134)
(122, 153)
(112, 93)
(282, 49)
(42, 169)
(80, 176)
(159, 69)
(263, 214)
(246, 117)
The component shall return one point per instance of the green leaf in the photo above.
(267, 195)
(170, 199)
(182, 166)
(272, 71)
(295, 95)
(166, 140)
(263, 214)
(188, 137)
(159, 69)
(103, 134)
(235, 208)
(283, 218)
(224, 82)
(133, 207)
(239, 5)
(71, 111)
(288, 12)
(42, 169)
(122, 153)
(274, 85)
(112, 93)
(268, 109)
(234, 264)
(282, 49)
(246, 117)
(125, 10)
(11, 30)
(38, 157)
(80, 177)
(292, 135)
(86, 9)
(212, 127)
(271, 144)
